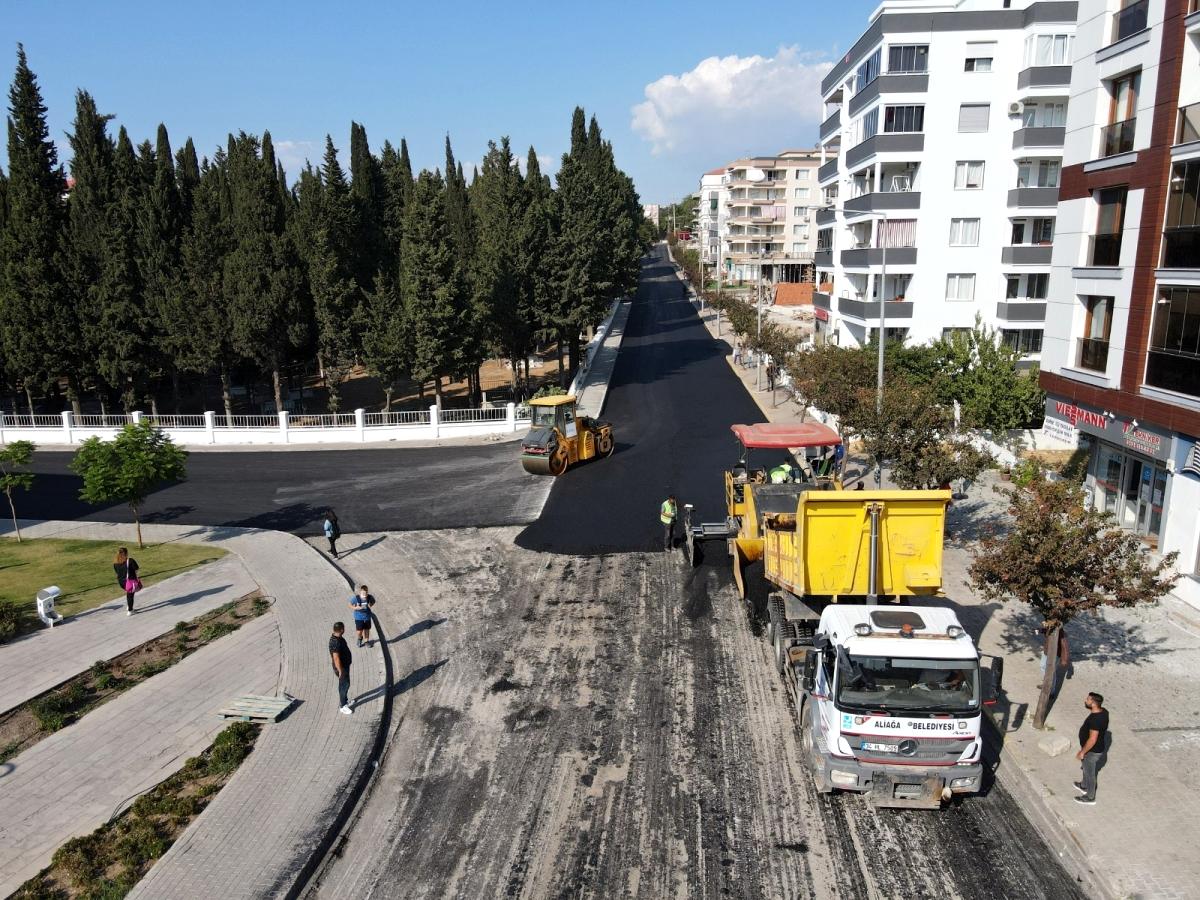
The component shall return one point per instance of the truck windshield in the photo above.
(543, 416)
(928, 685)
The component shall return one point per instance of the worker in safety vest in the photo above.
(666, 515)
(781, 474)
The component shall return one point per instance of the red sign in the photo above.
(1075, 415)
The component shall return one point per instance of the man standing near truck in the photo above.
(666, 515)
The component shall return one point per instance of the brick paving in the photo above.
(261, 829)
(76, 779)
(1140, 839)
(38, 661)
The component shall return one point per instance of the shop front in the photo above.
(1129, 468)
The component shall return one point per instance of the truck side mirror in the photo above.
(812, 659)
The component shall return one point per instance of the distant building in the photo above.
(651, 211)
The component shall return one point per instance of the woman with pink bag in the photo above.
(126, 568)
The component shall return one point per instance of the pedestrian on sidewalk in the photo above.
(737, 352)
(1093, 740)
(772, 372)
(333, 531)
(339, 653)
(1062, 665)
(361, 603)
(126, 568)
(666, 515)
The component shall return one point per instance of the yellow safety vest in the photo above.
(667, 515)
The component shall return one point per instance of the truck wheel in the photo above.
(604, 445)
(808, 747)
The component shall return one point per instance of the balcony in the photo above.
(873, 256)
(1117, 138)
(1093, 355)
(822, 301)
(832, 124)
(1188, 129)
(888, 84)
(906, 142)
(1045, 136)
(1181, 248)
(868, 311)
(1130, 20)
(1044, 76)
(1026, 255)
(884, 200)
(826, 215)
(827, 171)
(823, 259)
(1104, 250)
(1021, 310)
(1173, 372)
(1033, 196)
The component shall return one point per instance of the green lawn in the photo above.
(83, 570)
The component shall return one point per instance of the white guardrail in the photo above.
(358, 427)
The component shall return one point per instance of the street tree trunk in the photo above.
(175, 401)
(16, 529)
(1050, 648)
(227, 398)
(437, 391)
(29, 399)
(275, 382)
(73, 395)
(137, 521)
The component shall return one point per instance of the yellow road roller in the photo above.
(559, 438)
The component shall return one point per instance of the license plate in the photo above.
(883, 748)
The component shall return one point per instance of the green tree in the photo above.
(368, 193)
(539, 224)
(387, 341)
(127, 468)
(15, 459)
(37, 324)
(984, 375)
(1064, 559)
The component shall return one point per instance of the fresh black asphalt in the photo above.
(671, 400)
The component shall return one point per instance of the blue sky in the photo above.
(677, 88)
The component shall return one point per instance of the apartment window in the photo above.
(977, 64)
(897, 233)
(1044, 115)
(1097, 326)
(968, 176)
(897, 119)
(1110, 221)
(797, 230)
(955, 334)
(870, 124)
(1173, 362)
(798, 211)
(964, 232)
(1048, 50)
(1012, 287)
(1024, 340)
(973, 117)
(1117, 136)
(867, 72)
(1037, 285)
(1181, 236)
(800, 193)
(797, 249)
(1038, 173)
(1130, 19)
(825, 239)
(908, 59)
(802, 174)
(960, 287)
(1038, 231)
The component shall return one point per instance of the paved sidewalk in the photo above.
(78, 778)
(262, 828)
(594, 392)
(1140, 839)
(38, 661)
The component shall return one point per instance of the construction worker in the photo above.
(782, 473)
(666, 515)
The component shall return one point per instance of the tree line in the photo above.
(153, 266)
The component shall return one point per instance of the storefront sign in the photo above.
(1129, 433)
(1060, 430)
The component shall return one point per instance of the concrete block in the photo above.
(1054, 745)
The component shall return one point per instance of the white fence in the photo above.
(358, 427)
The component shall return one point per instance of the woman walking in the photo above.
(332, 531)
(126, 568)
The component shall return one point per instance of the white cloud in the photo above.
(293, 155)
(755, 102)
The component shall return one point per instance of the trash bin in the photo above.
(45, 605)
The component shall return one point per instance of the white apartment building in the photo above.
(940, 157)
(763, 217)
(711, 216)
(1121, 356)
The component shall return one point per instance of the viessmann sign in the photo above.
(1128, 433)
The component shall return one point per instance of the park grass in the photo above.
(83, 570)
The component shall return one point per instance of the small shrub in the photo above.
(50, 712)
(100, 666)
(9, 621)
(230, 747)
(108, 889)
(214, 630)
(260, 605)
(81, 859)
(181, 627)
(37, 889)
(141, 843)
(150, 669)
(105, 680)
(181, 643)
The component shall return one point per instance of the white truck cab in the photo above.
(892, 704)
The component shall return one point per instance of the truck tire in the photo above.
(808, 747)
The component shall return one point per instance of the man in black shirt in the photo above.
(339, 653)
(1093, 735)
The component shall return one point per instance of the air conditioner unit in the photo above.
(1016, 108)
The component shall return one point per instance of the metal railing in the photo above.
(15, 420)
(524, 413)
(88, 420)
(1093, 354)
(415, 417)
(1130, 20)
(1117, 137)
(1189, 122)
(459, 416)
(329, 420)
(1104, 250)
(185, 421)
(247, 421)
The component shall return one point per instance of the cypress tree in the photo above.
(539, 225)
(387, 341)
(187, 176)
(436, 299)
(397, 186)
(368, 193)
(37, 321)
